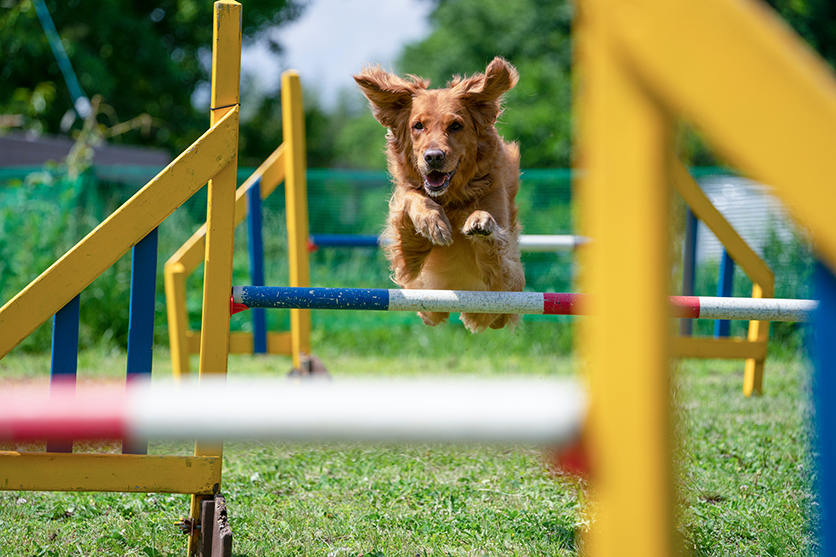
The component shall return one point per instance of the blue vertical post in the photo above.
(689, 266)
(824, 392)
(256, 253)
(64, 363)
(724, 289)
(141, 319)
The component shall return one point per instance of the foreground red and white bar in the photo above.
(550, 412)
(454, 301)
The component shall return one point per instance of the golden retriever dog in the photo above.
(452, 221)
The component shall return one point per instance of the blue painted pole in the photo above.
(141, 319)
(824, 391)
(64, 363)
(345, 241)
(689, 266)
(722, 327)
(256, 254)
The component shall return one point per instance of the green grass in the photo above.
(745, 480)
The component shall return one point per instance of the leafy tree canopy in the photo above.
(142, 58)
(534, 35)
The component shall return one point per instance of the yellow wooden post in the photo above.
(220, 215)
(625, 141)
(296, 195)
(178, 318)
(758, 331)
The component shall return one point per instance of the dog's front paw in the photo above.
(435, 227)
(480, 223)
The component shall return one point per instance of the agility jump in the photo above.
(528, 303)
(548, 412)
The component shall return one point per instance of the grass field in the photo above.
(744, 477)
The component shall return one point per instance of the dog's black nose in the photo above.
(434, 157)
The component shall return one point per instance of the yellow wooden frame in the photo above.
(287, 163)
(767, 105)
(212, 158)
(109, 472)
(220, 222)
(111, 239)
(753, 349)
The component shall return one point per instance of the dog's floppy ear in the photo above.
(390, 96)
(483, 92)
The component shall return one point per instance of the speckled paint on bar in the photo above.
(536, 303)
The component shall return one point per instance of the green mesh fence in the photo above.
(43, 212)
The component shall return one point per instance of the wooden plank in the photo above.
(220, 219)
(735, 245)
(131, 222)
(296, 194)
(178, 319)
(242, 343)
(625, 143)
(723, 348)
(109, 472)
(758, 332)
(221, 532)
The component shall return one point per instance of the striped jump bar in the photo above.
(537, 303)
(547, 411)
(528, 242)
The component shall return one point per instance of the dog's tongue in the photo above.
(436, 179)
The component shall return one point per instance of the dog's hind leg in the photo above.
(433, 318)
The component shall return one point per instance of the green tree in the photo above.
(814, 20)
(142, 58)
(534, 35)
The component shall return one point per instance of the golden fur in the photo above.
(452, 221)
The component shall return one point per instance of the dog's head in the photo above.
(439, 131)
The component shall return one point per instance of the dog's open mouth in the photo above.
(436, 182)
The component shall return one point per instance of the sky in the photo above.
(334, 39)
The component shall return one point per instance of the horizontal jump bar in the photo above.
(528, 242)
(537, 303)
(548, 411)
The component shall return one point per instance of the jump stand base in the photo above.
(215, 533)
(312, 367)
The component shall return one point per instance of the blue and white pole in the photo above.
(531, 303)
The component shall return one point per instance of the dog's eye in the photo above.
(417, 126)
(456, 126)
